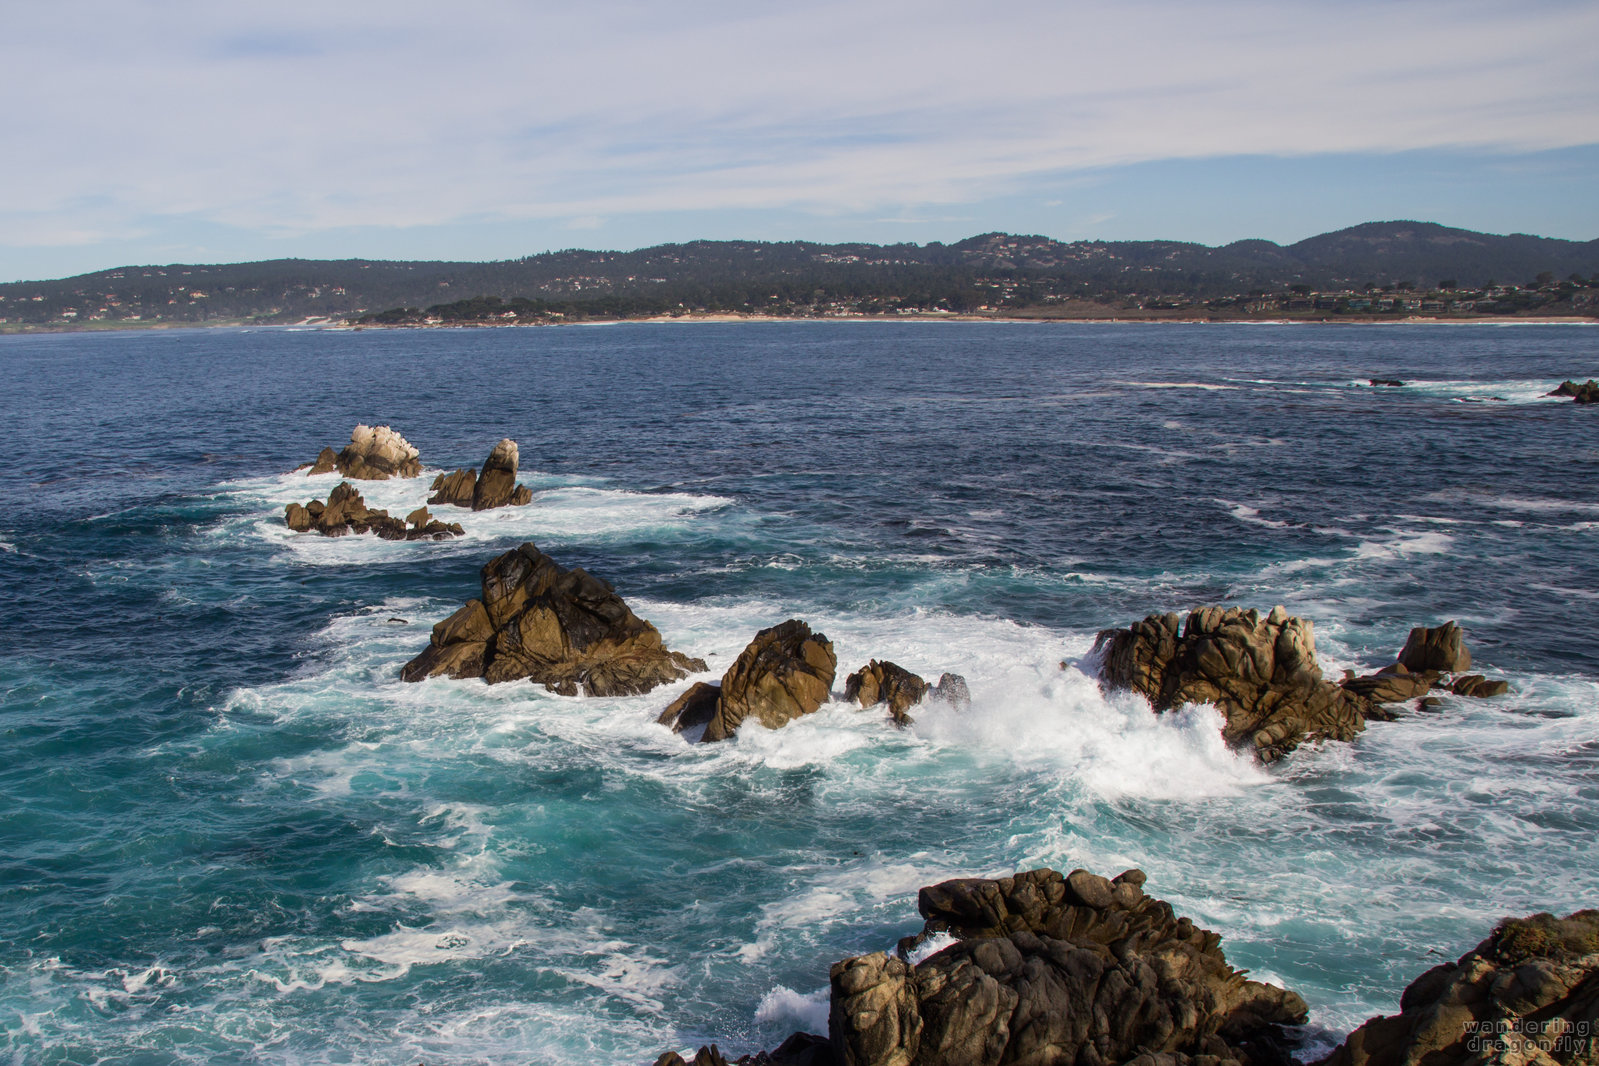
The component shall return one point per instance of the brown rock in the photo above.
(1392, 684)
(885, 682)
(345, 511)
(1529, 994)
(785, 672)
(496, 484)
(454, 489)
(1478, 687)
(1260, 672)
(375, 453)
(565, 629)
(951, 688)
(327, 461)
(1038, 976)
(1442, 649)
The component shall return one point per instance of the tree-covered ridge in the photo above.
(993, 272)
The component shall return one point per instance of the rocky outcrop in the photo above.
(785, 672)
(345, 511)
(375, 453)
(1392, 383)
(1261, 673)
(886, 683)
(494, 486)
(892, 684)
(1047, 968)
(565, 629)
(1587, 392)
(1528, 996)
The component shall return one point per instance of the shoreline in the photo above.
(725, 317)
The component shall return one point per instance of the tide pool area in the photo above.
(232, 834)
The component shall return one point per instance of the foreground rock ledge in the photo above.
(566, 629)
(1046, 968)
(1262, 674)
(1528, 995)
(786, 672)
(494, 487)
(375, 453)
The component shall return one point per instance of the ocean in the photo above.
(232, 835)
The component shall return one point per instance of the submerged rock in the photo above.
(1260, 672)
(494, 486)
(1528, 995)
(566, 629)
(345, 511)
(375, 453)
(1392, 383)
(785, 672)
(1048, 968)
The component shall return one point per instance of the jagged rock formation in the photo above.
(1526, 996)
(1048, 968)
(785, 672)
(1262, 674)
(890, 683)
(346, 512)
(565, 629)
(494, 486)
(375, 453)
(1587, 392)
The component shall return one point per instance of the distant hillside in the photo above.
(980, 272)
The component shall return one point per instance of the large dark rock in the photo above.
(375, 453)
(1442, 649)
(785, 672)
(1260, 672)
(494, 486)
(345, 511)
(1529, 994)
(565, 629)
(1045, 968)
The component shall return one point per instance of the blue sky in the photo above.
(141, 131)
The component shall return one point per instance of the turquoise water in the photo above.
(230, 834)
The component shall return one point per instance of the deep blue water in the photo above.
(230, 834)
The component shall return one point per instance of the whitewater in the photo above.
(231, 834)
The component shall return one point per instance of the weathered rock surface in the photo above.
(1260, 672)
(892, 684)
(1048, 968)
(375, 453)
(565, 629)
(785, 672)
(494, 486)
(345, 511)
(1442, 649)
(1526, 996)
(1587, 392)
(1263, 675)
(887, 683)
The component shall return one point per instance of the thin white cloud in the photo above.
(304, 117)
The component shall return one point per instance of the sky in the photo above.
(160, 131)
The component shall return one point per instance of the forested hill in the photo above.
(993, 268)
